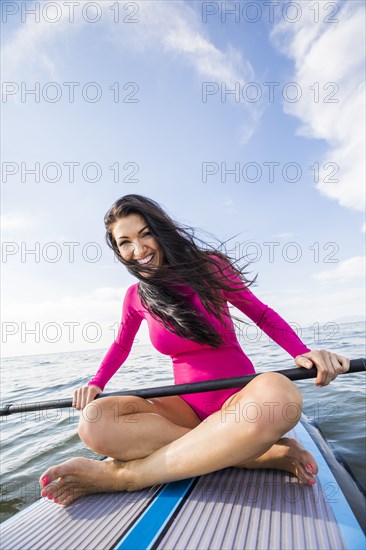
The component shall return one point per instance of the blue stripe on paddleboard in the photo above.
(148, 527)
(351, 531)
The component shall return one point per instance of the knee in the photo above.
(92, 423)
(275, 385)
(97, 418)
(280, 401)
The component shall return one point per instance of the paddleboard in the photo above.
(229, 509)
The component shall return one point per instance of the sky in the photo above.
(244, 120)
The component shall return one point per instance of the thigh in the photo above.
(232, 399)
(271, 389)
(254, 386)
(175, 409)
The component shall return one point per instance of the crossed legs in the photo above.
(158, 441)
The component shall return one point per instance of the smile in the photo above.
(146, 260)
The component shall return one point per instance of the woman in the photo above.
(182, 293)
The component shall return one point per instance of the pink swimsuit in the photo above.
(193, 362)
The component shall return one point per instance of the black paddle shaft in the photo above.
(297, 373)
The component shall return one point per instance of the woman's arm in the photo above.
(121, 347)
(267, 320)
(328, 364)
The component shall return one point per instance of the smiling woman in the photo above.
(182, 293)
(136, 243)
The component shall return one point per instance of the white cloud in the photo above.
(285, 235)
(348, 269)
(28, 52)
(101, 303)
(325, 53)
(170, 28)
(16, 221)
(176, 28)
(68, 323)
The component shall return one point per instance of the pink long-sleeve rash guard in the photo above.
(193, 362)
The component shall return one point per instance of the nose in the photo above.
(137, 249)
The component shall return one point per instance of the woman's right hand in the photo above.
(83, 396)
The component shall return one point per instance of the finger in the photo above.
(81, 399)
(94, 391)
(338, 368)
(321, 378)
(325, 370)
(316, 358)
(338, 364)
(76, 399)
(344, 361)
(88, 397)
(85, 397)
(79, 404)
(333, 367)
(302, 361)
(322, 368)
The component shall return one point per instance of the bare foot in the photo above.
(287, 454)
(78, 477)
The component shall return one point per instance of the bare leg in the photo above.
(129, 427)
(287, 455)
(222, 440)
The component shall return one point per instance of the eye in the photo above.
(147, 233)
(125, 246)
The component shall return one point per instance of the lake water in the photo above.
(33, 441)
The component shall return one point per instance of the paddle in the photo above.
(298, 373)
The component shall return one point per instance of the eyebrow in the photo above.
(141, 230)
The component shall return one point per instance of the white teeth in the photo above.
(145, 260)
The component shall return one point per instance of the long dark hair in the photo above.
(198, 266)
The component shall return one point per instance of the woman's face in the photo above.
(135, 242)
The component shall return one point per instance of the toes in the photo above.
(306, 468)
(49, 475)
(67, 500)
(49, 491)
(302, 474)
(311, 469)
(310, 464)
(314, 466)
(63, 495)
(71, 466)
(53, 489)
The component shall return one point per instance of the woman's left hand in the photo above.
(329, 365)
